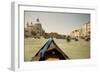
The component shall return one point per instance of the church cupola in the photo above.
(37, 20)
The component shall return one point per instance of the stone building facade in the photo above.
(34, 30)
(84, 31)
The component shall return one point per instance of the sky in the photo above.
(62, 23)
